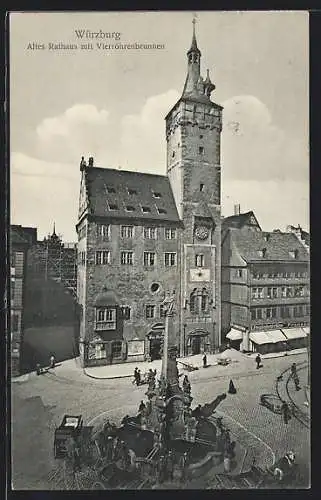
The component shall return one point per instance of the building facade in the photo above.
(265, 287)
(51, 323)
(142, 237)
(21, 238)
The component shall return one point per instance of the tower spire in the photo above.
(54, 229)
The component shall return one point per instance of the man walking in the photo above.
(204, 361)
(258, 361)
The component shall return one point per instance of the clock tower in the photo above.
(193, 135)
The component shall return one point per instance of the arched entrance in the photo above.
(197, 342)
(155, 340)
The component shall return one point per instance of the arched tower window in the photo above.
(204, 300)
(193, 301)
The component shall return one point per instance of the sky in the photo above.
(111, 104)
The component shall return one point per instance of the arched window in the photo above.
(204, 300)
(193, 301)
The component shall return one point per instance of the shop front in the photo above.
(234, 338)
(296, 337)
(268, 341)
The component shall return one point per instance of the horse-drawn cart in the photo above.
(272, 402)
(69, 429)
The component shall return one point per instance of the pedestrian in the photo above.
(204, 361)
(293, 370)
(52, 361)
(38, 369)
(139, 378)
(286, 412)
(161, 469)
(231, 388)
(142, 407)
(109, 448)
(76, 452)
(135, 376)
(296, 381)
(258, 361)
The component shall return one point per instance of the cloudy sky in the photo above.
(111, 104)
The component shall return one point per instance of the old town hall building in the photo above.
(142, 237)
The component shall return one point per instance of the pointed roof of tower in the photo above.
(194, 47)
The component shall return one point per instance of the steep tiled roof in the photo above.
(120, 193)
(277, 246)
(27, 234)
(238, 221)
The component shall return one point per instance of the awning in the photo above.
(294, 333)
(260, 338)
(276, 336)
(234, 335)
(306, 330)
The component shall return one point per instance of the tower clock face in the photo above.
(201, 232)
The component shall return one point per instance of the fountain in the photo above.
(169, 442)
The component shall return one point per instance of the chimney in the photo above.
(237, 209)
(91, 161)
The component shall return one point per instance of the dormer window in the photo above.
(201, 150)
(201, 187)
(156, 194)
(161, 210)
(145, 210)
(294, 254)
(131, 191)
(173, 154)
(130, 208)
(111, 189)
(262, 253)
(266, 237)
(201, 137)
(113, 206)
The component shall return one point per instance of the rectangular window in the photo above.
(307, 310)
(170, 234)
(201, 150)
(297, 311)
(254, 293)
(289, 292)
(170, 259)
(149, 258)
(14, 323)
(105, 318)
(127, 231)
(127, 258)
(125, 312)
(299, 291)
(12, 288)
(162, 311)
(103, 230)
(199, 260)
(102, 257)
(83, 258)
(271, 312)
(272, 292)
(260, 293)
(256, 314)
(285, 312)
(283, 292)
(239, 273)
(150, 312)
(150, 233)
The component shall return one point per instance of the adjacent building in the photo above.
(21, 238)
(51, 323)
(265, 287)
(142, 237)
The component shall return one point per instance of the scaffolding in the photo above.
(51, 259)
